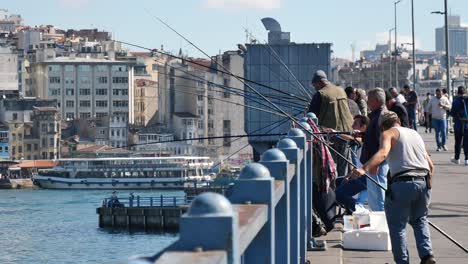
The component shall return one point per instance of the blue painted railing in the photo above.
(267, 217)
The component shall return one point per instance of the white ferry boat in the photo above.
(124, 173)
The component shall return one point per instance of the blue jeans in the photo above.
(376, 195)
(412, 118)
(408, 204)
(345, 192)
(440, 127)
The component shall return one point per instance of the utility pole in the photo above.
(390, 56)
(396, 46)
(414, 46)
(447, 50)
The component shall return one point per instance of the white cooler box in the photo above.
(367, 239)
(375, 237)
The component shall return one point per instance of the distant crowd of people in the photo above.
(384, 151)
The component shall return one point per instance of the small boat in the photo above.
(125, 173)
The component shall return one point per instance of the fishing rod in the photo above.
(232, 90)
(214, 69)
(229, 102)
(248, 97)
(199, 138)
(301, 125)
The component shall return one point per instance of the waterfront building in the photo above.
(33, 127)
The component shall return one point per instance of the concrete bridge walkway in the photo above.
(449, 211)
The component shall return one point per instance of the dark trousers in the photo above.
(428, 121)
(341, 147)
(324, 205)
(344, 192)
(461, 139)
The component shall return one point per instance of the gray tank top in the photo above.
(408, 153)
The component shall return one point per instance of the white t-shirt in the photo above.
(437, 111)
(400, 98)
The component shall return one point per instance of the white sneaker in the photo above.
(455, 161)
(438, 149)
(444, 148)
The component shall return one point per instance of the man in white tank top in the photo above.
(409, 193)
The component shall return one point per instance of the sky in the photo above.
(219, 25)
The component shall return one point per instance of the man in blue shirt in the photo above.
(460, 119)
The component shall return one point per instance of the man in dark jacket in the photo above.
(330, 104)
(353, 106)
(459, 112)
(394, 106)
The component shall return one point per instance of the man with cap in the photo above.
(409, 188)
(330, 104)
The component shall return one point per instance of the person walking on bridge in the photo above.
(409, 189)
(459, 113)
(438, 107)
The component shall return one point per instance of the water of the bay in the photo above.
(58, 227)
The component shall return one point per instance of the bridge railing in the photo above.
(266, 218)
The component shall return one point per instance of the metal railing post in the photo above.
(301, 142)
(278, 165)
(151, 201)
(138, 200)
(213, 213)
(161, 200)
(255, 186)
(289, 147)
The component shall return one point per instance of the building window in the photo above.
(70, 104)
(102, 79)
(210, 124)
(227, 124)
(54, 91)
(120, 103)
(100, 115)
(70, 92)
(154, 67)
(101, 103)
(85, 103)
(200, 110)
(69, 80)
(36, 146)
(200, 97)
(84, 68)
(85, 115)
(70, 115)
(51, 142)
(28, 147)
(85, 91)
(54, 79)
(54, 68)
(13, 135)
(84, 80)
(15, 116)
(200, 124)
(210, 111)
(112, 132)
(101, 91)
(69, 68)
(120, 92)
(119, 79)
(101, 68)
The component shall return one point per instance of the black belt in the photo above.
(408, 178)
